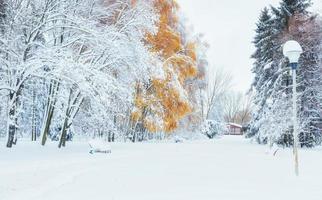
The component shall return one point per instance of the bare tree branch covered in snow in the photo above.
(218, 88)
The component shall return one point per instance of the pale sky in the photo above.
(229, 27)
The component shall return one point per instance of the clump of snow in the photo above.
(268, 66)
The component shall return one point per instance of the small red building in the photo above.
(234, 129)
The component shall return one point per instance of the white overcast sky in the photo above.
(229, 27)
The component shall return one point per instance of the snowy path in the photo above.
(227, 169)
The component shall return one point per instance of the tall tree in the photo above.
(307, 30)
(162, 102)
(265, 70)
(290, 20)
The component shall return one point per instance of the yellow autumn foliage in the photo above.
(164, 99)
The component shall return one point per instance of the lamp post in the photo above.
(293, 50)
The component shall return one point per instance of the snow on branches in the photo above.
(70, 67)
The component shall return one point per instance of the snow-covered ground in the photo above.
(230, 168)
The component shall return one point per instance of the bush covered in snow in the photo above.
(212, 128)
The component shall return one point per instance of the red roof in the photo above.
(235, 125)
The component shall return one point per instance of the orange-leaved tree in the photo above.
(163, 102)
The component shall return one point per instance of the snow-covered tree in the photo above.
(290, 20)
(76, 67)
(161, 104)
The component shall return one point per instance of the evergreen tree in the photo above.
(263, 66)
(307, 30)
(263, 39)
(287, 9)
(290, 20)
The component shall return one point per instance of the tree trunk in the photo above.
(62, 140)
(51, 102)
(33, 120)
(46, 126)
(72, 109)
(11, 135)
(11, 123)
(11, 132)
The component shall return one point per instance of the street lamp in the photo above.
(293, 50)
